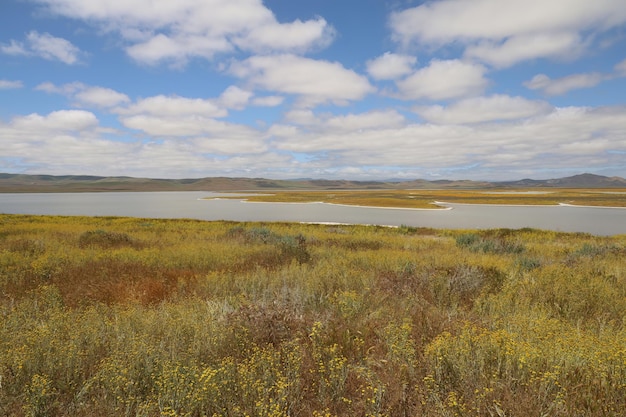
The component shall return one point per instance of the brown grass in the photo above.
(426, 198)
(115, 316)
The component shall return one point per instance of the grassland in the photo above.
(136, 317)
(427, 198)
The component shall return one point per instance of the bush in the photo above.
(496, 245)
(105, 240)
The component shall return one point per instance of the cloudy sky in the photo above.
(353, 89)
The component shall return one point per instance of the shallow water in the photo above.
(599, 221)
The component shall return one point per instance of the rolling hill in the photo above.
(89, 183)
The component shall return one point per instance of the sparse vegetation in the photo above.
(427, 198)
(136, 317)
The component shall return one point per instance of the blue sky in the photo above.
(352, 89)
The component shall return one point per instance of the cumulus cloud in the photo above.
(73, 141)
(375, 119)
(301, 117)
(390, 66)
(314, 81)
(10, 84)
(484, 109)
(184, 126)
(235, 98)
(442, 80)
(61, 120)
(297, 36)
(65, 89)
(518, 33)
(175, 31)
(526, 47)
(100, 97)
(173, 106)
(372, 120)
(85, 95)
(44, 46)
(340, 146)
(227, 145)
(558, 86)
(195, 122)
(565, 138)
(475, 20)
(268, 101)
(176, 49)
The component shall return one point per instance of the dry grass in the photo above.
(426, 198)
(115, 316)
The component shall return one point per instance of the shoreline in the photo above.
(333, 204)
(444, 205)
(530, 205)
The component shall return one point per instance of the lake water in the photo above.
(599, 221)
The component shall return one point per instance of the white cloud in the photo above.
(620, 68)
(10, 84)
(442, 80)
(268, 101)
(195, 121)
(566, 138)
(390, 66)
(184, 126)
(235, 98)
(53, 48)
(315, 81)
(503, 32)
(334, 146)
(176, 49)
(295, 36)
(554, 87)
(58, 121)
(14, 48)
(484, 109)
(85, 95)
(171, 107)
(100, 97)
(65, 89)
(459, 20)
(44, 46)
(175, 31)
(229, 146)
(526, 47)
(71, 141)
(377, 119)
(302, 117)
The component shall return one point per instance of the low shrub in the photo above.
(105, 240)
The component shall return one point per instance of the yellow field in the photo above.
(138, 317)
(427, 198)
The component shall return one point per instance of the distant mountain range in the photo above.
(83, 183)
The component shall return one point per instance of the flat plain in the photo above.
(428, 198)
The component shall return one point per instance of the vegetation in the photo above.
(427, 198)
(136, 317)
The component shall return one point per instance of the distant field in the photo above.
(426, 198)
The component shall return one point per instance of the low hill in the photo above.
(84, 183)
(575, 181)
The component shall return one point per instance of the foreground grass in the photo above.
(116, 316)
(426, 198)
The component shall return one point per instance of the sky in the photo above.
(336, 89)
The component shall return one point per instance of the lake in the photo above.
(596, 220)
